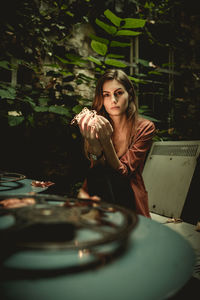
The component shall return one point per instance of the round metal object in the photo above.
(8, 176)
(54, 222)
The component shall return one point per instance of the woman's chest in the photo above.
(121, 143)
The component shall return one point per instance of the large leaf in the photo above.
(136, 80)
(78, 61)
(119, 44)
(106, 41)
(15, 120)
(112, 17)
(155, 73)
(74, 57)
(127, 22)
(99, 39)
(143, 62)
(30, 101)
(8, 93)
(64, 61)
(41, 108)
(77, 108)
(112, 55)
(115, 63)
(108, 28)
(133, 23)
(60, 110)
(99, 47)
(86, 78)
(127, 33)
(94, 60)
(5, 65)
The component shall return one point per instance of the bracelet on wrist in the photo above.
(94, 156)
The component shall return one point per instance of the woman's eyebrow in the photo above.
(114, 90)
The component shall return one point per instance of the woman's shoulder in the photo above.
(143, 123)
(144, 129)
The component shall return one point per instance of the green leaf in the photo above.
(15, 120)
(112, 55)
(10, 27)
(64, 73)
(74, 57)
(133, 23)
(86, 78)
(115, 63)
(99, 39)
(149, 118)
(30, 119)
(94, 60)
(149, 5)
(5, 65)
(154, 73)
(77, 108)
(108, 28)
(112, 17)
(73, 61)
(30, 101)
(143, 62)
(41, 108)
(10, 93)
(136, 80)
(99, 47)
(69, 13)
(146, 107)
(62, 60)
(60, 110)
(85, 102)
(127, 32)
(119, 44)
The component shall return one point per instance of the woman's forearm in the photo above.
(111, 155)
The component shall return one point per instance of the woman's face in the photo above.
(115, 98)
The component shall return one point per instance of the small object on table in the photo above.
(37, 183)
(174, 220)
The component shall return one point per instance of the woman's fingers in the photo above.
(86, 126)
(104, 129)
(94, 128)
(83, 123)
(104, 122)
(88, 131)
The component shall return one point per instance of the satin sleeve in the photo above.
(136, 154)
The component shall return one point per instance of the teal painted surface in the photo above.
(19, 187)
(157, 263)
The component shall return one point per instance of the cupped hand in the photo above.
(103, 129)
(88, 130)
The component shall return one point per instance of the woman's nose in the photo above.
(114, 98)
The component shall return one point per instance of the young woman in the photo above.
(116, 141)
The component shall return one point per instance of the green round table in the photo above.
(157, 263)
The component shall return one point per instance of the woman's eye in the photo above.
(105, 95)
(119, 93)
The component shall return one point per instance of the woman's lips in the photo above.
(115, 107)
